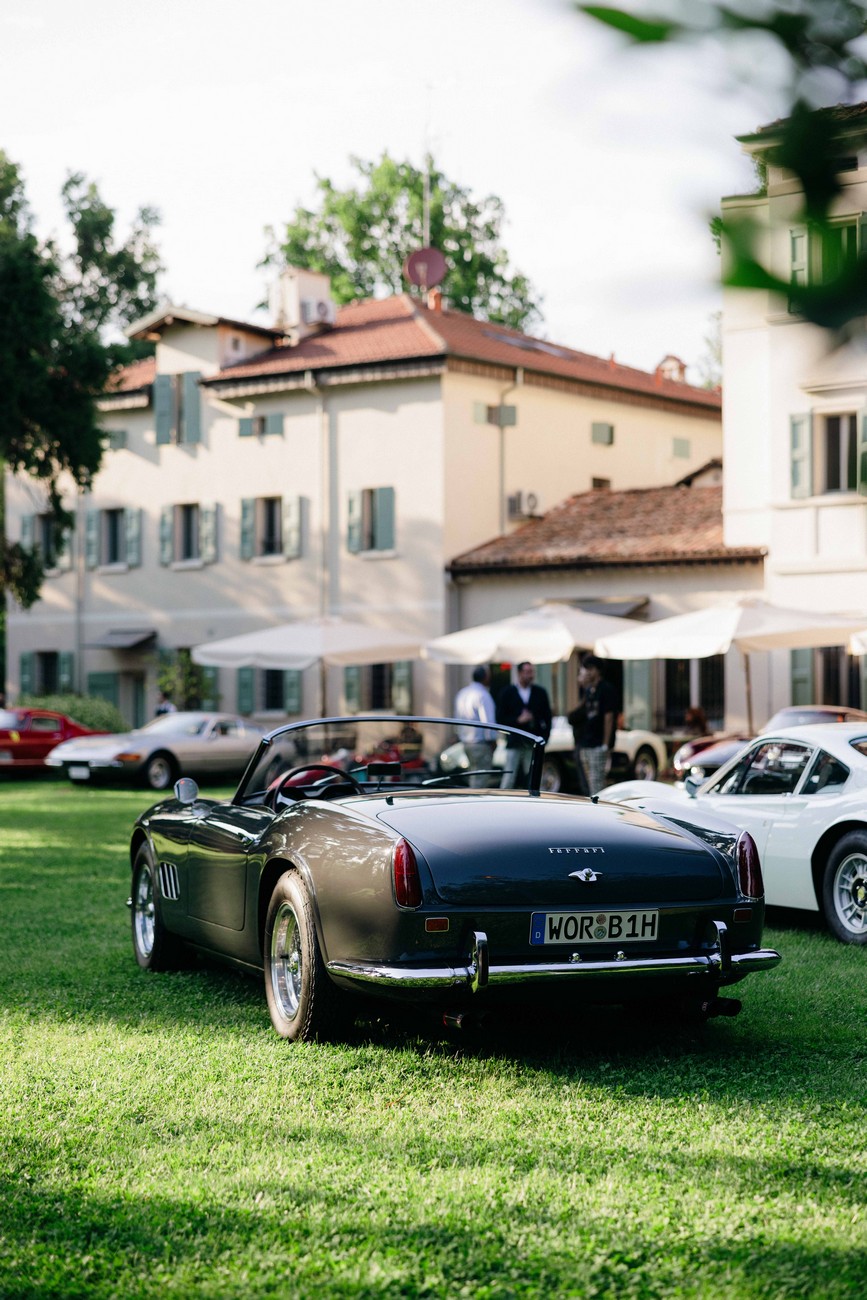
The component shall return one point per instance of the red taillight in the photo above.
(749, 867)
(407, 885)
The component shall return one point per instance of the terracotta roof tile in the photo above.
(641, 526)
(129, 379)
(400, 328)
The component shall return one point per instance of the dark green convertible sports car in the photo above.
(350, 864)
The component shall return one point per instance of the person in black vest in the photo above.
(524, 705)
(600, 719)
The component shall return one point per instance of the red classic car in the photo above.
(27, 735)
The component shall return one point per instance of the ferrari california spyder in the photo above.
(339, 876)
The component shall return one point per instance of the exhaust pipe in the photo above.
(722, 1007)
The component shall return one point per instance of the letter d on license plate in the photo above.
(593, 927)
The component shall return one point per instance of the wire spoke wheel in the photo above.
(143, 911)
(286, 961)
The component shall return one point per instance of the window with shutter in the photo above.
(292, 690)
(210, 695)
(132, 529)
(602, 433)
(246, 682)
(164, 408)
(802, 665)
(293, 529)
(354, 506)
(401, 686)
(208, 532)
(65, 671)
(245, 426)
(190, 404)
(248, 528)
(352, 688)
(91, 539)
(167, 534)
(26, 673)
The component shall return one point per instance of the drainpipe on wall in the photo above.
(518, 380)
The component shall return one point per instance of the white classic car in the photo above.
(638, 754)
(801, 792)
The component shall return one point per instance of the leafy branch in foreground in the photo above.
(821, 46)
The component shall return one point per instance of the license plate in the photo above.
(593, 927)
(79, 773)
(5, 755)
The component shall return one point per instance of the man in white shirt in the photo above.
(476, 704)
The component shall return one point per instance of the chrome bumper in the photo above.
(719, 962)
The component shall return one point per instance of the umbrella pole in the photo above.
(749, 689)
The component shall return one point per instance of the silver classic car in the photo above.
(349, 865)
(214, 746)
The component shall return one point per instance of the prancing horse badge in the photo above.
(586, 874)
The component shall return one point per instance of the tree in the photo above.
(361, 236)
(819, 45)
(56, 350)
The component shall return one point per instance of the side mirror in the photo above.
(186, 790)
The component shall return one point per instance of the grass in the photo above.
(156, 1138)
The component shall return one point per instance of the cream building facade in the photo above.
(332, 464)
(795, 418)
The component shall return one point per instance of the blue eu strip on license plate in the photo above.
(593, 927)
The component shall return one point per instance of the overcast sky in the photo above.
(609, 161)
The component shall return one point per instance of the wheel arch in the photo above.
(273, 869)
(138, 839)
(823, 848)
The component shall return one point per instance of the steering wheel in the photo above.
(284, 790)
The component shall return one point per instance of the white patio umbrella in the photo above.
(547, 634)
(749, 624)
(326, 640)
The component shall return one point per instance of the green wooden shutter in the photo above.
(801, 446)
(164, 407)
(208, 532)
(26, 673)
(602, 433)
(248, 528)
(292, 690)
(292, 527)
(401, 686)
(274, 422)
(352, 688)
(210, 679)
(246, 690)
(167, 534)
(245, 426)
(354, 507)
(637, 694)
(801, 672)
(191, 407)
(862, 456)
(132, 535)
(383, 519)
(65, 672)
(28, 531)
(91, 539)
(105, 686)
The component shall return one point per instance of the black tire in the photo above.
(646, 765)
(154, 947)
(302, 1000)
(161, 771)
(844, 889)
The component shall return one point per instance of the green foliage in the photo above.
(158, 1141)
(821, 45)
(182, 680)
(55, 351)
(89, 710)
(362, 235)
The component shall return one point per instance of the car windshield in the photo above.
(178, 724)
(384, 752)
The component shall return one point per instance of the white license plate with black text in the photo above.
(593, 927)
(79, 773)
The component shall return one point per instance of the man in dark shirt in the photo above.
(600, 717)
(526, 706)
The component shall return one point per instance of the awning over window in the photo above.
(124, 638)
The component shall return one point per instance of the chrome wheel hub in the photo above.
(286, 967)
(850, 893)
(143, 912)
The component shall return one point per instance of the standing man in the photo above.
(527, 706)
(600, 716)
(476, 703)
(165, 704)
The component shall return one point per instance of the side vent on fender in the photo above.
(170, 885)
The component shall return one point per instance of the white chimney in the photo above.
(301, 302)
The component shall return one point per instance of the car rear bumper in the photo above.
(718, 964)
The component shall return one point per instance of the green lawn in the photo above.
(156, 1139)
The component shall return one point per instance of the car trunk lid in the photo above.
(553, 852)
